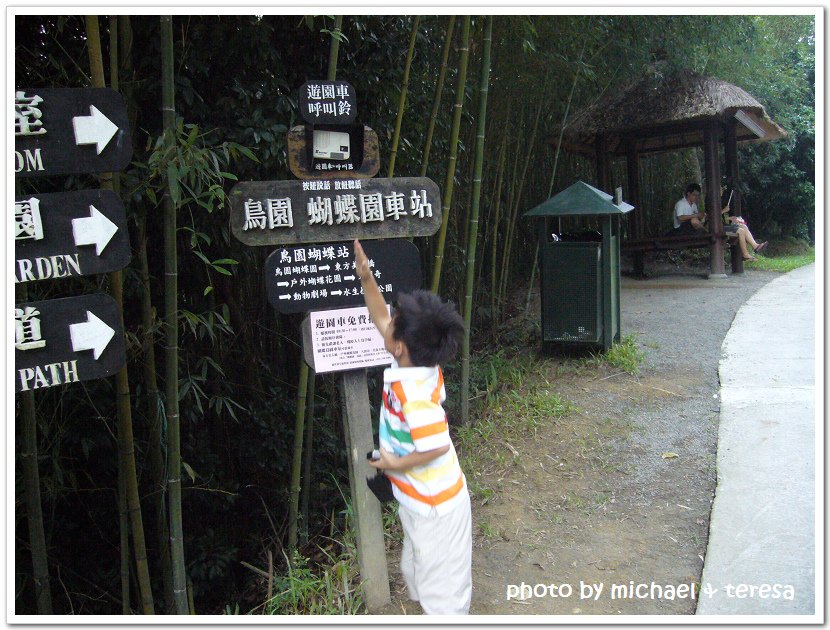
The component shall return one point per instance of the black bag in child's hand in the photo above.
(381, 487)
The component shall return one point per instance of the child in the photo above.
(416, 452)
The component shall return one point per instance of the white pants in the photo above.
(436, 559)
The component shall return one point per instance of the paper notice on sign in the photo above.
(346, 339)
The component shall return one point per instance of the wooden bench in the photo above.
(682, 241)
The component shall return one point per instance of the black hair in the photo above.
(692, 188)
(431, 329)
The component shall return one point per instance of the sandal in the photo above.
(761, 247)
(750, 258)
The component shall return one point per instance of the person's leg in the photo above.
(748, 236)
(696, 224)
(442, 554)
(407, 557)
(742, 244)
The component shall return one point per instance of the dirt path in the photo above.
(591, 499)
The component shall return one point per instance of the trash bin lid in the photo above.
(579, 199)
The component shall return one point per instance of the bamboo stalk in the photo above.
(436, 99)
(517, 201)
(308, 448)
(126, 445)
(296, 463)
(494, 223)
(171, 329)
(31, 477)
(456, 125)
(334, 48)
(393, 153)
(555, 164)
(474, 210)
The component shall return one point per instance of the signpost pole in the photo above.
(371, 551)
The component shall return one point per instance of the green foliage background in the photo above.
(236, 80)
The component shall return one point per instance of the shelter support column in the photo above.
(713, 207)
(603, 165)
(730, 152)
(632, 161)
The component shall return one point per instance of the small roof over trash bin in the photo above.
(579, 199)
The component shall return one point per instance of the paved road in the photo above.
(763, 525)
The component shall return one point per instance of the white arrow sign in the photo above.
(95, 229)
(94, 129)
(92, 334)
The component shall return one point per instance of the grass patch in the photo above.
(782, 264)
(512, 401)
(625, 356)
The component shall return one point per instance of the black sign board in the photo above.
(58, 235)
(288, 211)
(302, 278)
(67, 340)
(70, 130)
(330, 102)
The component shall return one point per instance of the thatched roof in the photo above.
(667, 112)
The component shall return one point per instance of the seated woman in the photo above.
(736, 227)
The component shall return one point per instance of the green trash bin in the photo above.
(580, 279)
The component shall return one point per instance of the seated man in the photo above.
(687, 218)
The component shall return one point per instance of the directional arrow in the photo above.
(95, 229)
(92, 334)
(94, 129)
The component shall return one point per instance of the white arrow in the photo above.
(323, 267)
(94, 129)
(282, 284)
(93, 334)
(285, 297)
(95, 229)
(348, 277)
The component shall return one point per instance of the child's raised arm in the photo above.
(374, 299)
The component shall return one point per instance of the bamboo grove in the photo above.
(193, 478)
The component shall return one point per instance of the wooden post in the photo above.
(632, 161)
(371, 550)
(603, 165)
(607, 267)
(713, 208)
(730, 151)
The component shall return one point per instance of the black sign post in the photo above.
(327, 102)
(70, 130)
(67, 340)
(58, 235)
(316, 277)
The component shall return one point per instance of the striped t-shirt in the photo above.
(412, 419)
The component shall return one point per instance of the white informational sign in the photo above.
(346, 339)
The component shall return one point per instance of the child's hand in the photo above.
(363, 271)
(387, 461)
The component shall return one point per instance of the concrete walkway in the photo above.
(761, 558)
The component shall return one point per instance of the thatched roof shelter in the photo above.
(665, 112)
(662, 112)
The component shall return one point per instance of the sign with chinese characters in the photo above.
(66, 340)
(342, 339)
(57, 235)
(327, 102)
(302, 278)
(70, 130)
(281, 212)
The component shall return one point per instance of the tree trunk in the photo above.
(494, 226)
(474, 209)
(171, 329)
(126, 444)
(456, 125)
(393, 153)
(436, 99)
